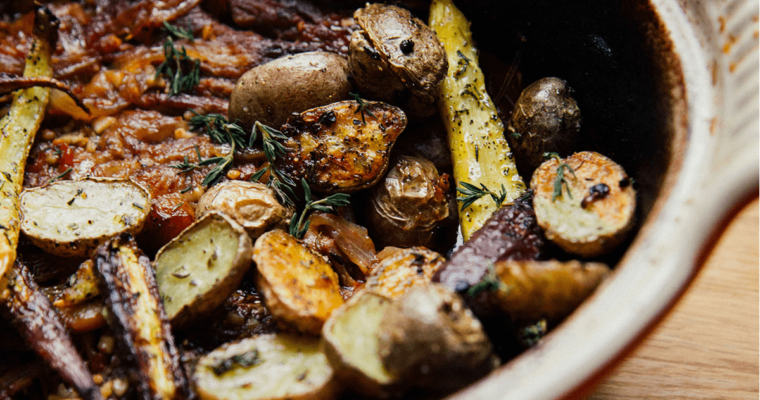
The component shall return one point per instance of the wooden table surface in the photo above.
(707, 347)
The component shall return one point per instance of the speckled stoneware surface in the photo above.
(714, 169)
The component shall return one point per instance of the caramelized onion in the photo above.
(351, 238)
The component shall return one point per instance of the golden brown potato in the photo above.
(342, 147)
(351, 345)
(532, 290)
(408, 204)
(546, 119)
(430, 339)
(270, 92)
(399, 270)
(589, 211)
(396, 58)
(299, 287)
(201, 267)
(251, 204)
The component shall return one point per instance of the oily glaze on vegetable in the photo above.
(399, 270)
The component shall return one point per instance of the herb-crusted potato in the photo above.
(299, 287)
(430, 339)
(399, 270)
(592, 207)
(251, 204)
(71, 218)
(351, 345)
(267, 367)
(270, 92)
(201, 267)
(342, 147)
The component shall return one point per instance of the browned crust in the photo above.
(9, 83)
(43, 330)
(125, 316)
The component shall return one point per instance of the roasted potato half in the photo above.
(299, 287)
(546, 119)
(351, 345)
(201, 267)
(267, 367)
(430, 339)
(342, 147)
(408, 204)
(251, 204)
(396, 58)
(585, 203)
(72, 218)
(399, 270)
(270, 92)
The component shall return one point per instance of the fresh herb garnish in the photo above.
(178, 32)
(257, 176)
(515, 135)
(272, 147)
(297, 226)
(471, 193)
(362, 108)
(183, 72)
(59, 176)
(560, 179)
(490, 282)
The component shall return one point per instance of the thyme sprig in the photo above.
(64, 173)
(490, 282)
(183, 71)
(297, 226)
(362, 108)
(269, 136)
(471, 193)
(560, 180)
(221, 131)
(178, 32)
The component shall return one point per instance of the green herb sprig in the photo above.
(490, 282)
(297, 226)
(270, 138)
(183, 71)
(560, 180)
(178, 32)
(471, 193)
(362, 108)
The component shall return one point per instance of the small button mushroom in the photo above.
(396, 58)
(252, 205)
(408, 204)
(271, 92)
(546, 119)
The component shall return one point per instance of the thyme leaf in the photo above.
(471, 193)
(490, 282)
(560, 180)
(64, 173)
(297, 226)
(362, 108)
(270, 138)
(183, 72)
(178, 32)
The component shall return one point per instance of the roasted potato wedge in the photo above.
(532, 290)
(430, 339)
(72, 218)
(351, 345)
(479, 151)
(299, 287)
(585, 203)
(399, 270)
(201, 267)
(267, 367)
(546, 119)
(137, 316)
(342, 147)
(251, 204)
(270, 92)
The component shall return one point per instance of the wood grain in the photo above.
(707, 347)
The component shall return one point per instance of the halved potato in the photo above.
(299, 287)
(399, 270)
(201, 267)
(342, 147)
(351, 343)
(266, 367)
(72, 218)
(591, 210)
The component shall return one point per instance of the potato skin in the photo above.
(271, 92)
(299, 287)
(399, 270)
(585, 225)
(408, 204)
(340, 149)
(546, 119)
(251, 204)
(430, 339)
(397, 58)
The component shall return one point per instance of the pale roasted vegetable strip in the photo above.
(17, 129)
(43, 330)
(479, 152)
(139, 319)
